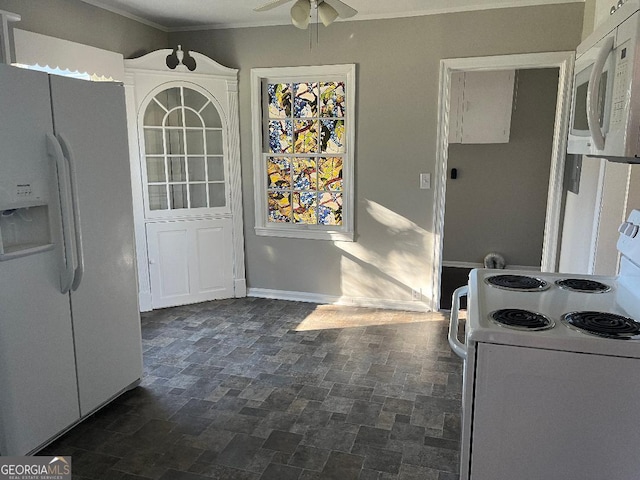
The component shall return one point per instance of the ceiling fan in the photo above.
(327, 10)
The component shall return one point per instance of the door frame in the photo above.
(564, 61)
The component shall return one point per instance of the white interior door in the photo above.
(187, 195)
(190, 261)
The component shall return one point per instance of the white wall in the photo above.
(579, 217)
(398, 64)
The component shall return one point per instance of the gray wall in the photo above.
(83, 23)
(398, 68)
(498, 203)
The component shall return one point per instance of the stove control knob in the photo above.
(630, 229)
(623, 227)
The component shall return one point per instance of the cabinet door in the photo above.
(190, 261)
(483, 115)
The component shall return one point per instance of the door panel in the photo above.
(190, 261)
(91, 116)
(214, 254)
(168, 252)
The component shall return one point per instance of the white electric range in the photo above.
(551, 385)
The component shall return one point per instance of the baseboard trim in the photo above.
(144, 302)
(240, 288)
(384, 303)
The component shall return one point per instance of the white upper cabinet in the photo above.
(480, 107)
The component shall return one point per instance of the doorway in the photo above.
(467, 161)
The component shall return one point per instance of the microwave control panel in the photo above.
(619, 98)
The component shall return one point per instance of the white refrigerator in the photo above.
(69, 323)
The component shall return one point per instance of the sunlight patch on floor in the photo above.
(326, 317)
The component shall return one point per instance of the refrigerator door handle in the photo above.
(73, 180)
(67, 262)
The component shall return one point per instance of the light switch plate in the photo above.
(425, 181)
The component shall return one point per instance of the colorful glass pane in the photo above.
(306, 100)
(279, 207)
(304, 207)
(304, 174)
(332, 136)
(279, 100)
(278, 173)
(306, 136)
(280, 136)
(332, 99)
(330, 173)
(330, 209)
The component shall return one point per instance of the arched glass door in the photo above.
(184, 154)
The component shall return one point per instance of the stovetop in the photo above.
(553, 301)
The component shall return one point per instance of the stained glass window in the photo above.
(303, 151)
(307, 121)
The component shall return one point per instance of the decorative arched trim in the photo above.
(157, 61)
(186, 213)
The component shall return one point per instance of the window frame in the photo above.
(345, 73)
(182, 213)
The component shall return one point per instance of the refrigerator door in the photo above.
(90, 122)
(38, 391)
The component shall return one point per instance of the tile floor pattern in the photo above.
(265, 389)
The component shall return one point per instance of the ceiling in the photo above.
(175, 15)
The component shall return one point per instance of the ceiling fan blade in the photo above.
(344, 10)
(270, 5)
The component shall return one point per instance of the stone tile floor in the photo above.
(267, 389)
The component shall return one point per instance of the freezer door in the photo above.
(90, 122)
(38, 392)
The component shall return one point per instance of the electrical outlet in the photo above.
(416, 294)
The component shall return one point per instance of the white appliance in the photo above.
(69, 322)
(543, 398)
(605, 113)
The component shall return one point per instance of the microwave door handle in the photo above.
(456, 345)
(593, 93)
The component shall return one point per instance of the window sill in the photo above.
(305, 234)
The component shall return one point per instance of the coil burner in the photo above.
(521, 283)
(583, 285)
(603, 324)
(521, 319)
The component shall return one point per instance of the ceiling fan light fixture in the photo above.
(327, 13)
(300, 13)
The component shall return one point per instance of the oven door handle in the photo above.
(457, 346)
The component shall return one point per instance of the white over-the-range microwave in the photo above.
(605, 112)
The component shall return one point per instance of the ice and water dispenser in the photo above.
(24, 219)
